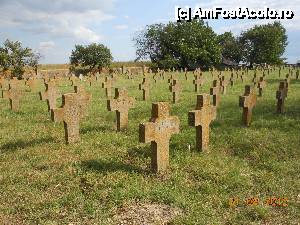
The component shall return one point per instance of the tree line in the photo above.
(195, 44)
(172, 45)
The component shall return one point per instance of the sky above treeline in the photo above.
(54, 27)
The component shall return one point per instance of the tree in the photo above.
(91, 56)
(264, 44)
(231, 47)
(182, 44)
(15, 57)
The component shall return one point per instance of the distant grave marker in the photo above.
(175, 88)
(51, 94)
(121, 104)
(247, 101)
(198, 82)
(107, 84)
(145, 87)
(223, 84)
(281, 95)
(261, 86)
(201, 118)
(13, 94)
(215, 92)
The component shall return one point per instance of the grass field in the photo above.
(44, 181)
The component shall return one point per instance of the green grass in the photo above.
(44, 181)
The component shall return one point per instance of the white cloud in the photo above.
(121, 27)
(126, 17)
(239, 25)
(59, 18)
(45, 46)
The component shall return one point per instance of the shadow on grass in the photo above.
(109, 166)
(14, 145)
(93, 129)
(140, 152)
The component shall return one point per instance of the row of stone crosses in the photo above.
(161, 125)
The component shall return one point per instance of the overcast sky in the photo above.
(53, 27)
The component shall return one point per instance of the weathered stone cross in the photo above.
(107, 84)
(84, 98)
(281, 94)
(158, 131)
(175, 88)
(261, 84)
(74, 80)
(198, 82)
(201, 118)
(51, 94)
(33, 84)
(215, 92)
(71, 114)
(121, 104)
(14, 95)
(248, 101)
(223, 84)
(145, 86)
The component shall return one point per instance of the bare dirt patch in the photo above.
(146, 214)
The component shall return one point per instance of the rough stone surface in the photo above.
(198, 82)
(215, 92)
(51, 94)
(145, 87)
(281, 95)
(107, 84)
(175, 88)
(121, 104)
(247, 102)
(201, 118)
(13, 94)
(71, 113)
(158, 131)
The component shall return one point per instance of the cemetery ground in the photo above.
(45, 181)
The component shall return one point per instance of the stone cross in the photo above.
(281, 94)
(247, 101)
(74, 80)
(223, 84)
(84, 97)
(145, 86)
(175, 88)
(201, 118)
(172, 77)
(14, 95)
(287, 78)
(198, 82)
(186, 74)
(158, 131)
(261, 84)
(51, 94)
(3, 83)
(231, 80)
(70, 114)
(215, 92)
(33, 84)
(121, 104)
(107, 84)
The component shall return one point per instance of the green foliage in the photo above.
(231, 47)
(184, 44)
(15, 57)
(91, 56)
(264, 43)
